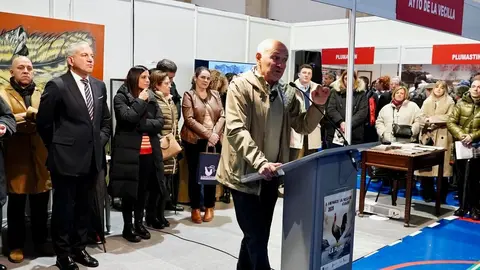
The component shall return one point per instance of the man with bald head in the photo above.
(25, 157)
(260, 112)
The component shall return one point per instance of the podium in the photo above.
(319, 209)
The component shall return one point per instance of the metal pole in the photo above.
(400, 63)
(352, 19)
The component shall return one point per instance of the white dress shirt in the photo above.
(81, 85)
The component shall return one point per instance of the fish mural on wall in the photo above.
(45, 41)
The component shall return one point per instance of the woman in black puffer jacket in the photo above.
(137, 161)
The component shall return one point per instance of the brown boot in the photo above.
(208, 215)
(16, 256)
(196, 216)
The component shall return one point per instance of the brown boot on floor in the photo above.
(16, 256)
(208, 215)
(196, 216)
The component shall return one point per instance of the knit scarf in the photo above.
(25, 92)
(397, 103)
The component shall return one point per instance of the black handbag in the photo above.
(401, 131)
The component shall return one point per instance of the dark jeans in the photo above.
(173, 184)
(71, 212)
(156, 200)
(16, 218)
(473, 188)
(192, 153)
(137, 205)
(254, 215)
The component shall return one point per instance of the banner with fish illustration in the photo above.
(337, 240)
(44, 41)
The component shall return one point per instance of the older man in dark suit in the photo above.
(75, 124)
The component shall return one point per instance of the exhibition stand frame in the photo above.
(187, 32)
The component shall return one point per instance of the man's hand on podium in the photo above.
(268, 170)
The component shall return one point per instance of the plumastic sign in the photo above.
(444, 15)
(462, 54)
(339, 56)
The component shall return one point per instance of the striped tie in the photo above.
(88, 97)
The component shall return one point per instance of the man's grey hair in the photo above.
(15, 57)
(73, 48)
(331, 75)
(267, 45)
(396, 79)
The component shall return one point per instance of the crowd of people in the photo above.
(430, 112)
(253, 119)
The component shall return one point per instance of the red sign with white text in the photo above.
(363, 56)
(465, 54)
(444, 15)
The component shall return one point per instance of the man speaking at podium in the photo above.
(260, 112)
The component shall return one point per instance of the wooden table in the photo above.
(402, 162)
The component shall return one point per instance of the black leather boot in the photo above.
(444, 190)
(161, 212)
(428, 191)
(141, 231)
(475, 213)
(154, 222)
(129, 233)
(460, 212)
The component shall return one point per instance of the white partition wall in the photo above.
(221, 35)
(417, 55)
(27, 7)
(164, 30)
(118, 29)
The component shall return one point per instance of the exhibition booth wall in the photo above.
(146, 31)
(150, 30)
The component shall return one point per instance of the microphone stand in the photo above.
(345, 142)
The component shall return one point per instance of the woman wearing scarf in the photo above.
(436, 109)
(399, 121)
(401, 112)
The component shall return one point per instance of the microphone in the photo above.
(273, 95)
(345, 142)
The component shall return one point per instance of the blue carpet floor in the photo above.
(375, 186)
(451, 244)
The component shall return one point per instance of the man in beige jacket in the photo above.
(260, 112)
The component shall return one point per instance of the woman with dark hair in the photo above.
(204, 122)
(136, 153)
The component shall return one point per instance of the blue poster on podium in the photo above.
(337, 239)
